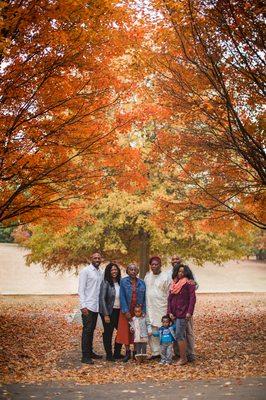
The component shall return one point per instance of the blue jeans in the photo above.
(166, 353)
(181, 325)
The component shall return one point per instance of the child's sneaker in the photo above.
(162, 362)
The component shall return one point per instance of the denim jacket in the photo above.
(126, 294)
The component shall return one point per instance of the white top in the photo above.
(117, 298)
(157, 289)
(169, 271)
(90, 279)
(135, 324)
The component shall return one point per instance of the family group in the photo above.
(156, 311)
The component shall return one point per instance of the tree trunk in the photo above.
(144, 254)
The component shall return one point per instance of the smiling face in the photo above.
(181, 273)
(114, 272)
(175, 260)
(132, 271)
(96, 259)
(156, 267)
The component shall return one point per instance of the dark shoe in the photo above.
(127, 356)
(110, 358)
(191, 358)
(118, 356)
(154, 357)
(117, 351)
(87, 361)
(96, 356)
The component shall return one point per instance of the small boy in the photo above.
(166, 334)
(141, 328)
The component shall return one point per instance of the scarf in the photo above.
(177, 286)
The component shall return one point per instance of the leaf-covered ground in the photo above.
(38, 344)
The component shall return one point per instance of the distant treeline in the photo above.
(6, 234)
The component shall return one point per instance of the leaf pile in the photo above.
(38, 344)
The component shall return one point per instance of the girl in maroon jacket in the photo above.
(181, 303)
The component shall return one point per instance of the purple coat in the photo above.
(182, 303)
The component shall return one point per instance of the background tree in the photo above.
(207, 68)
(62, 87)
(125, 228)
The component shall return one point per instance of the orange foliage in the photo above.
(62, 89)
(48, 348)
(208, 70)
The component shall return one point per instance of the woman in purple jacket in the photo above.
(181, 303)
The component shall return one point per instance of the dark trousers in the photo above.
(89, 324)
(141, 348)
(108, 333)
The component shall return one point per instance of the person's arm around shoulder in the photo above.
(83, 276)
(192, 300)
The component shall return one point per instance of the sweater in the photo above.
(182, 303)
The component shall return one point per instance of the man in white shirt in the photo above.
(90, 279)
(176, 261)
(157, 287)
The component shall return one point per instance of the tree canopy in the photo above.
(133, 127)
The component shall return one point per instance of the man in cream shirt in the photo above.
(90, 279)
(157, 288)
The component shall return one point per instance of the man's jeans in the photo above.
(166, 352)
(89, 324)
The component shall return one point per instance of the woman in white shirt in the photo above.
(109, 306)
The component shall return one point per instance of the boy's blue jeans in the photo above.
(166, 352)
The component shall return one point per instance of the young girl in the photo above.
(141, 328)
(181, 303)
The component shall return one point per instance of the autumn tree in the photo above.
(125, 228)
(62, 86)
(204, 61)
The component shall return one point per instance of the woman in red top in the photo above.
(181, 303)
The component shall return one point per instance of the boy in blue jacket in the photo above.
(166, 334)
